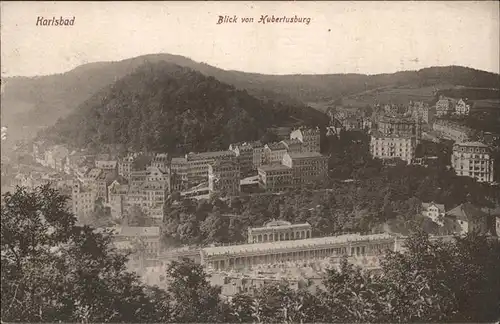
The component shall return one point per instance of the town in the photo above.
(130, 193)
(326, 162)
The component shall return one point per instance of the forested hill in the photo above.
(161, 106)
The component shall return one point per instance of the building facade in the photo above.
(310, 138)
(275, 177)
(244, 156)
(83, 200)
(224, 178)
(444, 106)
(292, 145)
(307, 167)
(274, 152)
(452, 131)
(245, 256)
(391, 147)
(434, 211)
(277, 230)
(473, 159)
(401, 127)
(462, 108)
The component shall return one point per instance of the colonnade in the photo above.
(242, 261)
(283, 235)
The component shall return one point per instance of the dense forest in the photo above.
(56, 271)
(161, 107)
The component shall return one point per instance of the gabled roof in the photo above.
(440, 207)
(467, 212)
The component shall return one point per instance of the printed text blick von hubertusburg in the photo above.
(265, 19)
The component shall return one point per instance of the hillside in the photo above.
(161, 106)
(40, 101)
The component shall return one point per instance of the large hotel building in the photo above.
(392, 146)
(473, 159)
(395, 138)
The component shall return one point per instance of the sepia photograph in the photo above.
(250, 162)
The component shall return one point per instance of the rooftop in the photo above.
(279, 224)
(439, 206)
(293, 141)
(276, 146)
(466, 212)
(305, 155)
(207, 155)
(379, 134)
(273, 167)
(134, 231)
(472, 144)
(286, 245)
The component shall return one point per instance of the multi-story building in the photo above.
(55, 157)
(274, 152)
(473, 159)
(258, 155)
(178, 176)
(117, 194)
(151, 173)
(275, 177)
(400, 126)
(292, 145)
(148, 195)
(197, 164)
(83, 200)
(307, 167)
(244, 156)
(452, 131)
(462, 108)
(444, 106)
(39, 148)
(391, 146)
(352, 123)
(125, 166)
(161, 161)
(422, 111)
(310, 138)
(224, 178)
(107, 165)
(278, 230)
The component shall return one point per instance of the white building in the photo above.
(434, 211)
(390, 147)
(473, 159)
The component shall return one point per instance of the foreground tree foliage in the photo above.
(53, 270)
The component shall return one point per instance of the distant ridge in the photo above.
(40, 101)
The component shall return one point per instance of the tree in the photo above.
(53, 270)
(215, 228)
(193, 298)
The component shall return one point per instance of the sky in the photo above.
(342, 37)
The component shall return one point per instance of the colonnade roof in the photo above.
(269, 226)
(304, 243)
